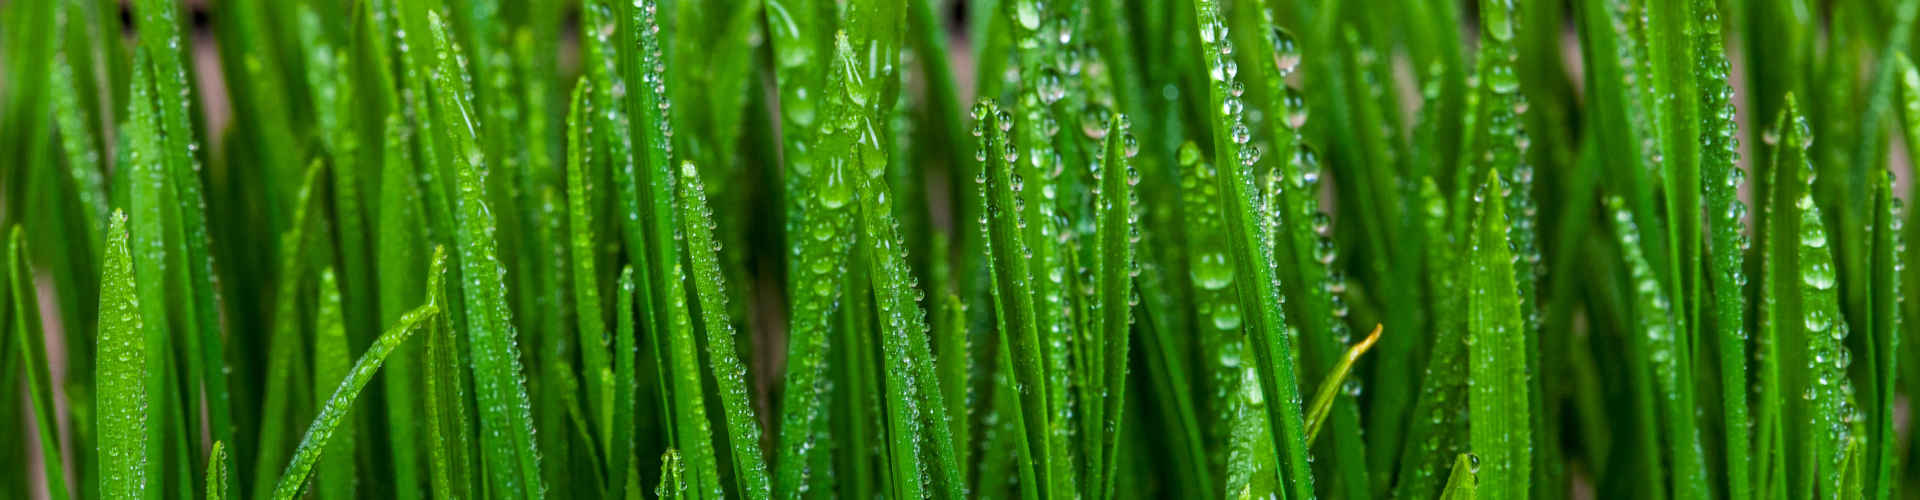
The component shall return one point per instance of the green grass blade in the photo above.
(1117, 212)
(330, 359)
(592, 328)
(1672, 82)
(1331, 387)
(624, 453)
(1785, 343)
(672, 476)
(1830, 407)
(201, 319)
(1258, 287)
(1497, 340)
(334, 412)
(817, 214)
(1881, 360)
(398, 249)
(729, 374)
(147, 201)
(82, 153)
(1668, 353)
(218, 465)
(507, 434)
(691, 429)
(283, 359)
(122, 395)
(1014, 310)
(31, 342)
(1721, 180)
(449, 429)
(1436, 433)
(1462, 483)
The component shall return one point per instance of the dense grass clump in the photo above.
(1061, 249)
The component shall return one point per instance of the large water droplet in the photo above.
(1226, 317)
(1212, 271)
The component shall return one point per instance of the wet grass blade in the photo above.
(218, 465)
(1727, 245)
(122, 396)
(1013, 303)
(1258, 288)
(330, 359)
(729, 374)
(334, 412)
(506, 425)
(1497, 339)
(1437, 432)
(1659, 336)
(1116, 235)
(1462, 483)
(592, 328)
(1881, 365)
(148, 206)
(284, 364)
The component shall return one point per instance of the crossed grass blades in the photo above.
(779, 249)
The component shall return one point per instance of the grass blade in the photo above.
(33, 358)
(334, 412)
(1117, 212)
(592, 328)
(1721, 180)
(1331, 387)
(729, 374)
(1260, 295)
(1881, 367)
(508, 445)
(330, 359)
(1019, 331)
(122, 395)
(1497, 343)
(1462, 484)
(218, 465)
(1668, 352)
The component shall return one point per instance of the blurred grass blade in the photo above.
(31, 342)
(218, 465)
(330, 359)
(284, 363)
(1437, 431)
(592, 327)
(1887, 259)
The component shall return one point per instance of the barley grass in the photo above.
(786, 249)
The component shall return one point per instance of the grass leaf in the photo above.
(122, 406)
(1497, 339)
(334, 412)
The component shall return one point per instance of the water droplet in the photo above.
(1286, 52)
(1189, 154)
(1226, 317)
(1212, 271)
